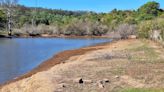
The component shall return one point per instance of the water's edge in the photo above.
(58, 58)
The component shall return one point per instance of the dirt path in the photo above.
(104, 68)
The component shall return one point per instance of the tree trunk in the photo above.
(9, 22)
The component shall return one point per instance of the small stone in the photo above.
(79, 80)
(106, 80)
(63, 85)
(117, 76)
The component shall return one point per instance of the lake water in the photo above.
(20, 55)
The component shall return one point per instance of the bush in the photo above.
(125, 30)
(81, 28)
(18, 32)
(146, 29)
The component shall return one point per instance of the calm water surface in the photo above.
(20, 55)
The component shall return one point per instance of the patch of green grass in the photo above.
(141, 90)
(149, 53)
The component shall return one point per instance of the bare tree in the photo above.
(125, 30)
(34, 16)
(9, 6)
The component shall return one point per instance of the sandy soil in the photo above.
(104, 68)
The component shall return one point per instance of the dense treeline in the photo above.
(142, 21)
(2, 19)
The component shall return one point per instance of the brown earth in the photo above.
(110, 67)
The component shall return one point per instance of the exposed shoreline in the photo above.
(115, 66)
(58, 58)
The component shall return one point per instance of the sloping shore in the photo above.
(109, 67)
(57, 59)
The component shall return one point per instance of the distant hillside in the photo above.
(80, 23)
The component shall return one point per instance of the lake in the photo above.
(20, 55)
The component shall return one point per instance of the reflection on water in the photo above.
(18, 56)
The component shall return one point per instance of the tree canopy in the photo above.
(82, 22)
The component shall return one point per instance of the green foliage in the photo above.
(151, 8)
(2, 19)
(147, 18)
(130, 20)
(148, 11)
(146, 28)
(2, 15)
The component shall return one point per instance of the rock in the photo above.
(62, 85)
(117, 76)
(79, 80)
(106, 80)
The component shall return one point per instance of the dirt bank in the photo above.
(111, 67)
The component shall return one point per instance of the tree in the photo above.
(149, 10)
(9, 6)
(125, 30)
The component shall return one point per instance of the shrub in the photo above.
(146, 28)
(81, 28)
(125, 30)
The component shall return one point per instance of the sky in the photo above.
(88, 5)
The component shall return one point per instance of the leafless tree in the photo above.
(9, 7)
(33, 21)
(125, 30)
